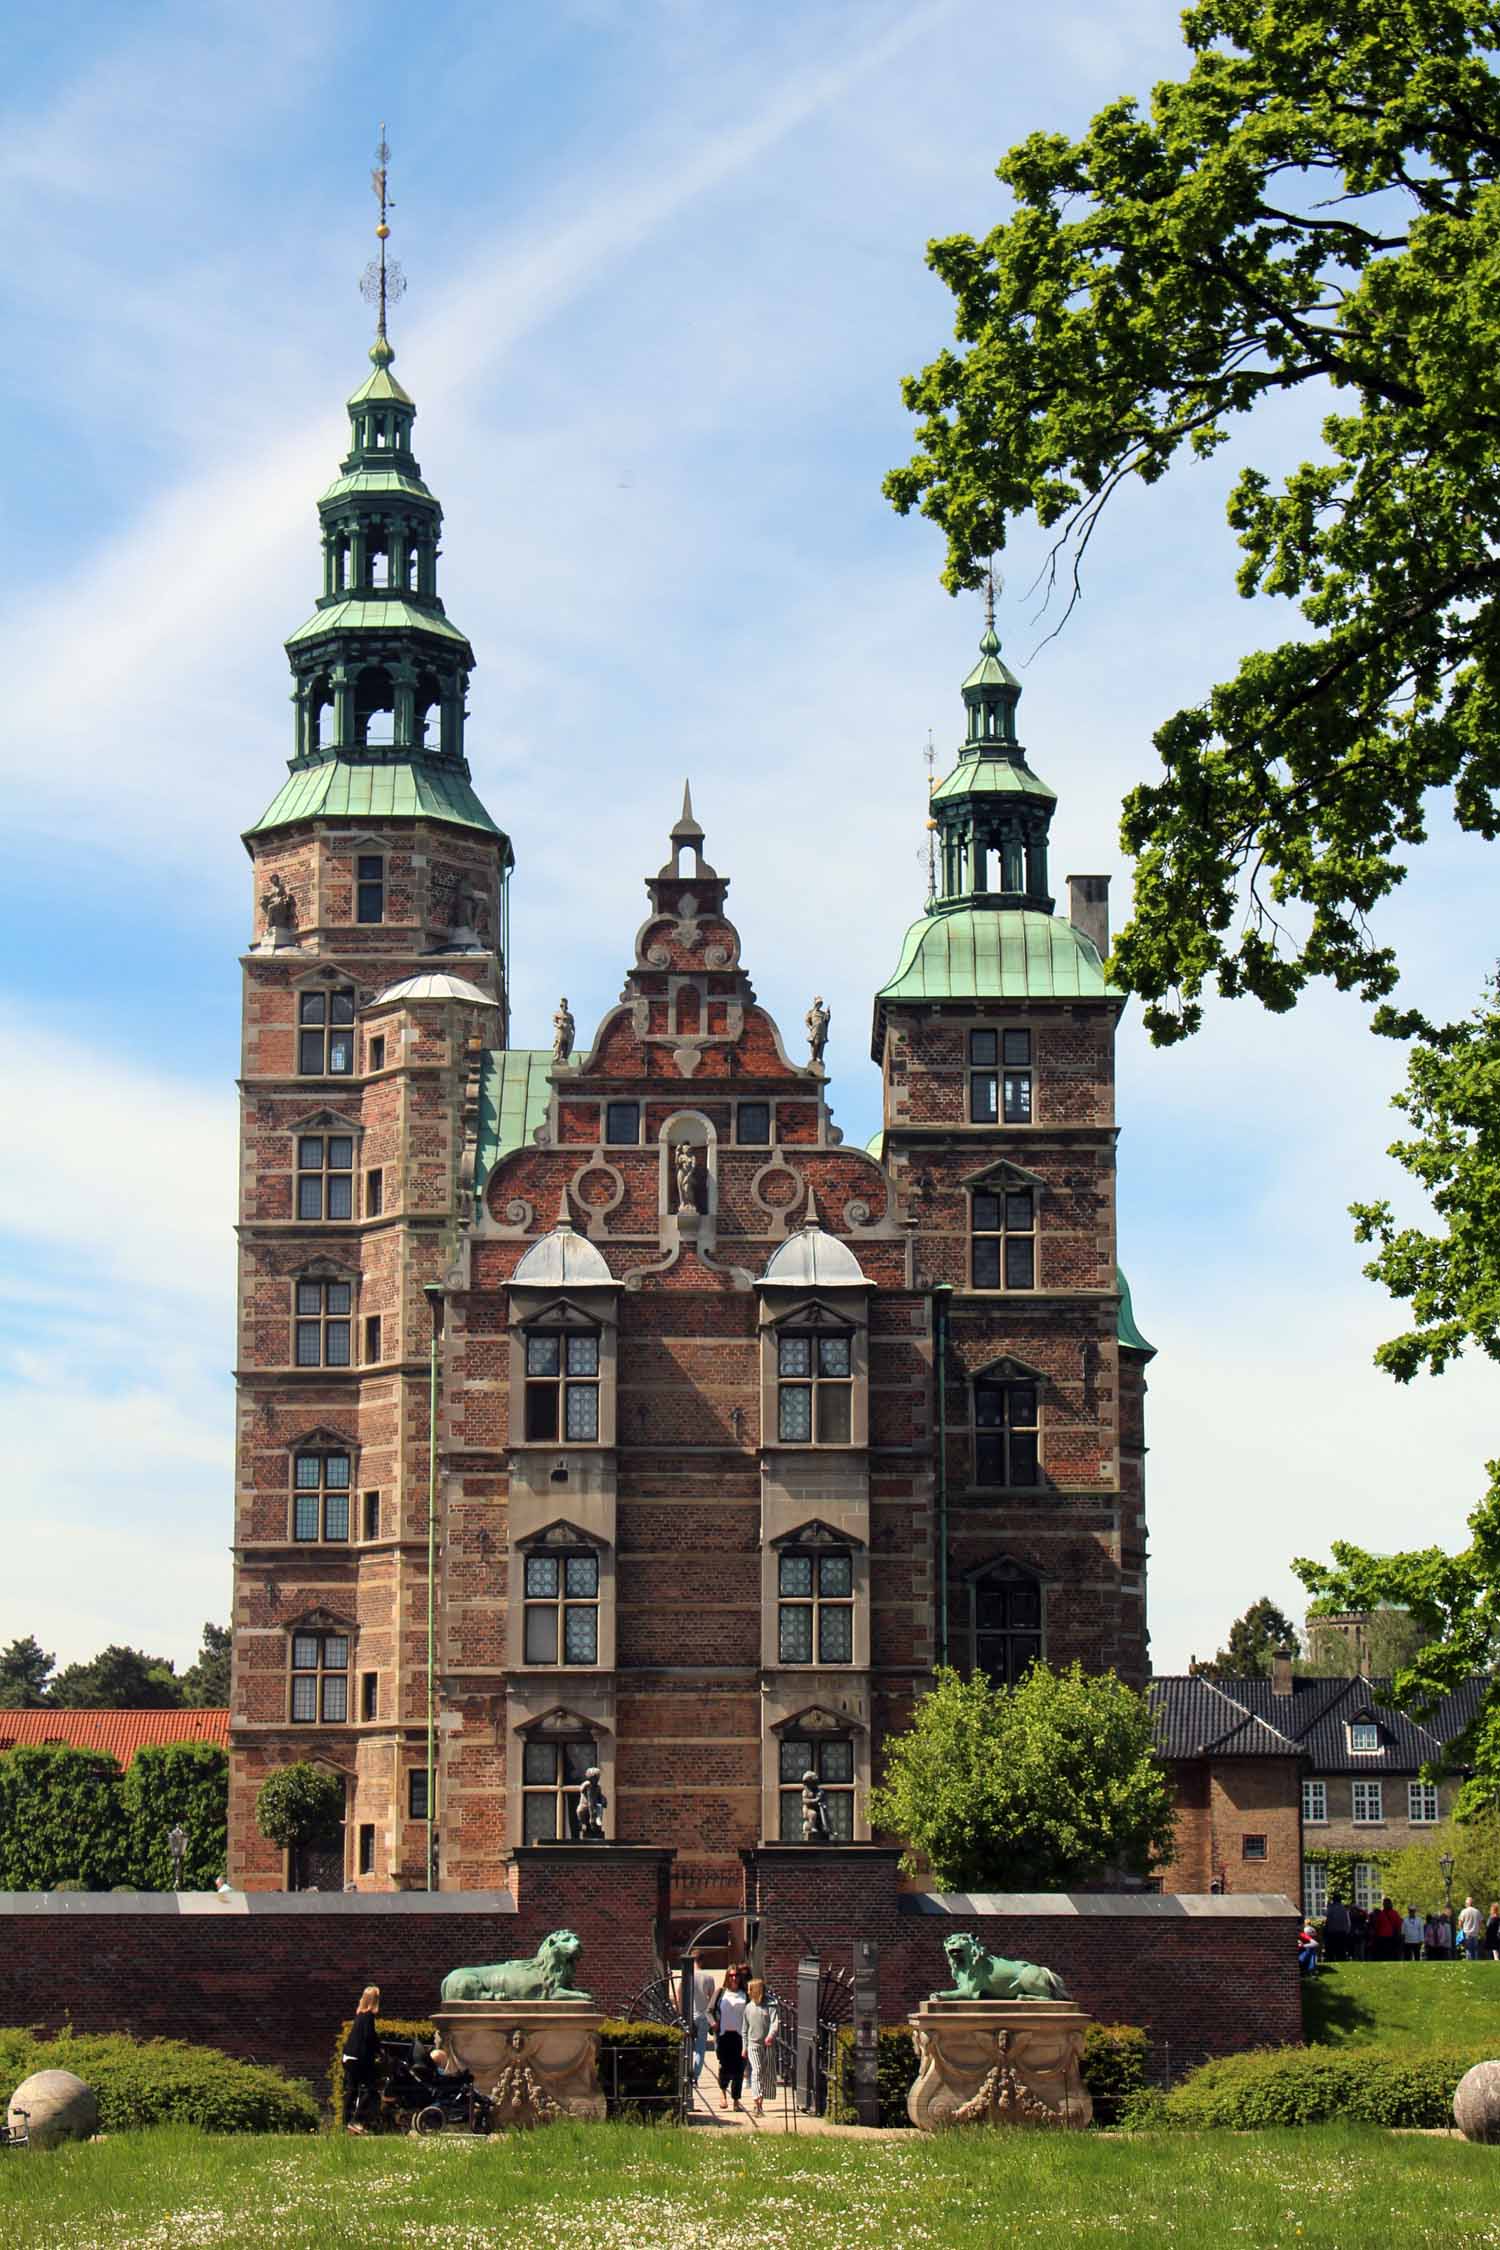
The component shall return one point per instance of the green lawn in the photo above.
(619, 2187)
(1416, 2003)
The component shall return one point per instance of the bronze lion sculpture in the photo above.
(544, 1976)
(979, 1975)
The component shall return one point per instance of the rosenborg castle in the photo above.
(598, 1407)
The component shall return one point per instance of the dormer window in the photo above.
(815, 1387)
(1364, 1734)
(562, 1386)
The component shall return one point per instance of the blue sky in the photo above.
(666, 273)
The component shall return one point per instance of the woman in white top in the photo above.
(762, 2024)
(729, 2018)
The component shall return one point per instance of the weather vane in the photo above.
(384, 282)
(930, 758)
(993, 583)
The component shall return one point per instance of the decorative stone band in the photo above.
(999, 2062)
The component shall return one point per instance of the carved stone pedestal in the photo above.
(537, 2059)
(999, 2062)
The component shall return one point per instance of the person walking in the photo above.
(729, 2043)
(1470, 1928)
(704, 1989)
(1492, 1931)
(1413, 1935)
(762, 2024)
(361, 2059)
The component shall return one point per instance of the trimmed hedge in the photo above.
(1392, 2086)
(647, 2070)
(143, 2082)
(1113, 2069)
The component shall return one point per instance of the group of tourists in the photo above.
(744, 2027)
(1384, 1933)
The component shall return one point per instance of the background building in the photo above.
(740, 1430)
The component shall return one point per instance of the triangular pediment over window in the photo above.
(1009, 1567)
(560, 1313)
(323, 1621)
(1004, 1174)
(326, 1121)
(816, 1533)
(321, 1440)
(812, 1313)
(562, 1722)
(817, 1719)
(559, 1534)
(1007, 1370)
(328, 1269)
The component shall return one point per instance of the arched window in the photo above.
(380, 563)
(1004, 1622)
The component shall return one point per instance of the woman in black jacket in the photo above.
(361, 2058)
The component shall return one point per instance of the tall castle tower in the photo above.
(375, 980)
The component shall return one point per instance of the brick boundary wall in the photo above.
(1205, 1975)
(269, 1976)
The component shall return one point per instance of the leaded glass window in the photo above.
(815, 1388)
(1004, 1240)
(562, 1608)
(1005, 1433)
(562, 1387)
(370, 906)
(324, 1310)
(831, 1758)
(320, 1496)
(1000, 1071)
(325, 1176)
(552, 1773)
(325, 1034)
(320, 1678)
(815, 1607)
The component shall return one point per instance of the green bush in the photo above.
(647, 2070)
(297, 1804)
(1113, 2068)
(176, 1784)
(143, 2082)
(61, 1823)
(1390, 2086)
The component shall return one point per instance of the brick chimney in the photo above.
(1281, 1671)
(1088, 909)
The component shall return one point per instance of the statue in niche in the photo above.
(563, 1029)
(588, 1813)
(280, 910)
(815, 1823)
(468, 909)
(817, 1027)
(685, 1164)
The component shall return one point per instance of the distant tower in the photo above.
(375, 978)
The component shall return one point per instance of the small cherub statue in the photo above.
(589, 1812)
(817, 1027)
(563, 1028)
(815, 1827)
(280, 910)
(686, 1164)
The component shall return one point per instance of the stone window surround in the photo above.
(842, 1711)
(324, 1270)
(534, 1712)
(565, 1535)
(323, 1440)
(810, 1537)
(328, 978)
(999, 1025)
(963, 1615)
(579, 1307)
(324, 1122)
(842, 1307)
(995, 1179)
(323, 1623)
(1008, 1373)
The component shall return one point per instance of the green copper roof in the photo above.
(991, 670)
(996, 953)
(387, 616)
(992, 777)
(417, 788)
(1126, 1329)
(376, 480)
(875, 1145)
(514, 1092)
(379, 387)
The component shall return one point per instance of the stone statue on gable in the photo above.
(817, 1027)
(563, 1030)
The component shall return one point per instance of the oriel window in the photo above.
(324, 1310)
(370, 888)
(1000, 1077)
(1004, 1240)
(815, 1388)
(320, 1679)
(325, 1176)
(1005, 1433)
(320, 1496)
(562, 1387)
(815, 1607)
(562, 1608)
(552, 1773)
(325, 1034)
(831, 1758)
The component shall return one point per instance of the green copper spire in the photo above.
(380, 672)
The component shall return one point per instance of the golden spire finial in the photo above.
(384, 283)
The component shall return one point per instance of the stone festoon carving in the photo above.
(564, 1030)
(531, 2041)
(685, 1163)
(815, 1825)
(980, 1975)
(588, 1813)
(279, 908)
(817, 1027)
(1003, 2046)
(542, 1976)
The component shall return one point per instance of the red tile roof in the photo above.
(118, 1733)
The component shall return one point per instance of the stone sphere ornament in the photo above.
(58, 2107)
(1476, 2103)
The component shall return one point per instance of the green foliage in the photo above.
(895, 2074)
(297, 1804)
(1050, 1782)
(1113, 2068)
(1388, 1641)
(25, 1668)
(1391, 2086)
(117, 1679)
(1341, 1866)
(205, 1683)
(179, 1783)
(1313, 202)
(1413, 1874)
(1253, 1641)
(60, 1819)
(157, 2081)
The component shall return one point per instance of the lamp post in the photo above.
(432, 1290)
(177, 1844)
(1446, 1864)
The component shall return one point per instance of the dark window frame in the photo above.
(828, 1390)
(330, 1680)
(832, 1606)
(806, 1753)
(1001, 1074)
(1006, 1415)
(575, 1601)
(1006, 1626)
(1003, 1235)
(322, 1487)
(550, 1398)
(322, 1321)
(325, 1033)
(559, 1794)
(744, 1139)
(325, 1178)
(614, 1113)
(369, 888)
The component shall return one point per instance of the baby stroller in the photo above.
(452, 2099)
